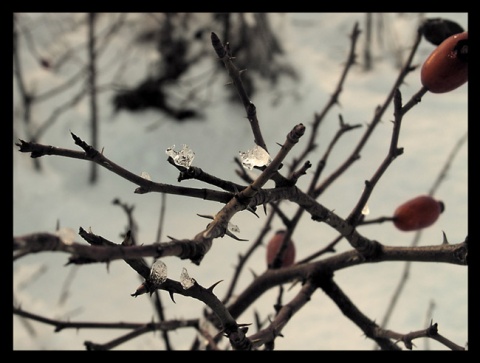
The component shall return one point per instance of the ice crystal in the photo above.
(184, 157)
(366, 210)
(67, 235)
(257, 156)
(158, 273)
(186, 281)
(145, 175)
(233, 228)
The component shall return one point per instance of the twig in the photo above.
(223, 53)
(379, 112)
(394, 151)
(267, 336)
(92, 83)
(351, 58)
(406, 271)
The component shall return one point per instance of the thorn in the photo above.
(171, 296)
(230, 234)
(142, 289)
(205, 216)
(445, 241)
(250, 209)
(265, 208)
(235, 189)
(245, 324)
(213, 286)
(293, 284)
(127, 241)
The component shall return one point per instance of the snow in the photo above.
(316, 44)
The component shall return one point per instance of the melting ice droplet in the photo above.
(184, 157)
(158, 273)
(186, 281)
(257, 156)
(67, 235)
(145, 175)
(233, 227)
(366, 210)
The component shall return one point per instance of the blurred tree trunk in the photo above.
(92, 92)
(367, 52)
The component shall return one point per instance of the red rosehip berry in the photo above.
(417, 213)
(446, 68)
(273, 248)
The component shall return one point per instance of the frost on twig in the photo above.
(233, 227)
(257, 156)
(366, 210)
(158, 273)
(230, 227)
(184, 157)
(146, 176)
(66, 235)
(186, 281)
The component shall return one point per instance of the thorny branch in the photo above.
(250, 197)
(313, 274)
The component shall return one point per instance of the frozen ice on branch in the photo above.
(257, 156)
(186, 281)
(184, 157)
(158, 273)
